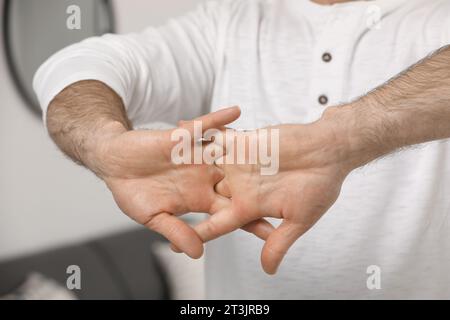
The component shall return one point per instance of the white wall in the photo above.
(45, 200)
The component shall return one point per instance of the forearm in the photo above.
(81, 116)
(412, 108)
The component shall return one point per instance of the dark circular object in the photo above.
(323, 99)
(34, 30)
(327, 57)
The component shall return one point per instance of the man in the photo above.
(300, 66)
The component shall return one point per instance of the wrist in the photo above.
(96, 148)
(323, 144)
(354, 131)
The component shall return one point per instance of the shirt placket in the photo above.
(331, 61)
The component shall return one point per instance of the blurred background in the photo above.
(54, 214)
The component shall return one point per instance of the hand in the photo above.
(149, 188)
(152, 190)
(311, 171)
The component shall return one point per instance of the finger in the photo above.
(260, 228)
(175, 248)
(278, 243)
(221, 223)
(177, 232)
(219, 119)
(212, 120)
(223, 189)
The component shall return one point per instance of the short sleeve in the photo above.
(161, 74)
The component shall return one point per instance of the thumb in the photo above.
(278, 244)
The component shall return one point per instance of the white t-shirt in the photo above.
(392, 218)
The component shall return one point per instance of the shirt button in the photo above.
(327, 57)
(323, 99)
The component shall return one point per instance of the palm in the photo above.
(148, 183)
